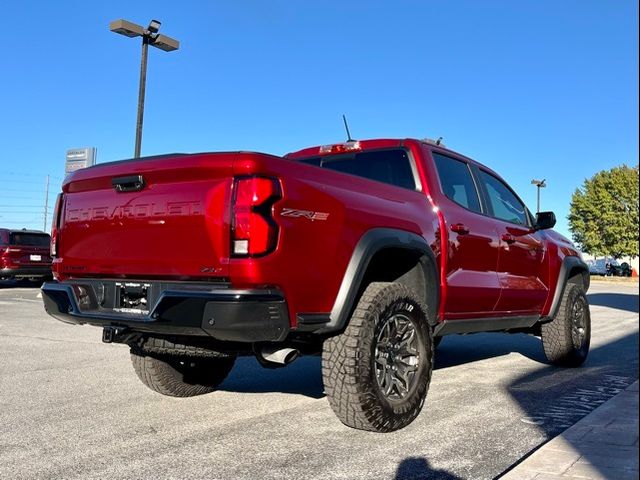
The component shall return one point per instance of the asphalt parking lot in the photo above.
(72, 407)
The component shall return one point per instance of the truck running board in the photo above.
(495, 324)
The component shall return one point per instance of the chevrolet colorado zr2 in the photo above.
(368, 252)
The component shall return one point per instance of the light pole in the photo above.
(150, 36)
(540, 184)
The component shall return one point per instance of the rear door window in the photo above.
(387, 166)
(456, 182)
(29, 239)
(504, 204)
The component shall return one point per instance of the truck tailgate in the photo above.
(162, 217)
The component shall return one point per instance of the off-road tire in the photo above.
(562, 343)
(350, 360)
(180, 376)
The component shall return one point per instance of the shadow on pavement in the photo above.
(459, 349)
(574, 393)
(620, 301)
(20, 284)
(414, 468)
(302, 377)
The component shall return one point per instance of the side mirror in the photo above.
(545, 220)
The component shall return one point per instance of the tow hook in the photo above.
(112, 334)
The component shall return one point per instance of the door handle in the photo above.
(132, 183)
(459, 228)
(508, 238)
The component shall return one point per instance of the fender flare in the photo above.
(372, 242)
(569, 264)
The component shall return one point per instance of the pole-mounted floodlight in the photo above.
(154, 26)
(539, 184)
(151, 37)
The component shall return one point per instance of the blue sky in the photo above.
(544, 89)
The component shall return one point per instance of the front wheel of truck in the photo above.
(180, 376)
(376, 373)
(566, 338)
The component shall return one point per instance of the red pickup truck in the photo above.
(367, 251)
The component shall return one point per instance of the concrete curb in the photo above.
(627, 280)
(603, 445)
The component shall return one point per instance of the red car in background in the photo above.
(24, 254)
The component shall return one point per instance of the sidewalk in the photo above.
(603, 445)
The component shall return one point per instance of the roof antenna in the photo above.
(439, 141)
(344, 119)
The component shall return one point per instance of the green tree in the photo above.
(603, 216)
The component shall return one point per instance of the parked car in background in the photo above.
(597, 267)
(609, 267)
(24, 254)
(619, 270)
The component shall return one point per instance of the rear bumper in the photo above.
(25, 272)
(178, 309)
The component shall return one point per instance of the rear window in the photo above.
(387, 166)
(29, 239)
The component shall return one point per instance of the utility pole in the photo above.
(46, 203)
(141, 89)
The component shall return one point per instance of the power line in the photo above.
(25, 181)
(16, 212)
(33, 175)
(8, 205)
(23, 222)
(22, 206)
(16, 196)
(21, 190)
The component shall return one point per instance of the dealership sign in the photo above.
(78, 158)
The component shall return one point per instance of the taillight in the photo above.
(254, 232)
(55, 225)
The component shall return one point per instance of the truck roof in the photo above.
(372, 144)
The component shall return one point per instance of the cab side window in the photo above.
(503, 203)
(456, 182)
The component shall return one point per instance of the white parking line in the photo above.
(27, 300)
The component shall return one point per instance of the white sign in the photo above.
(78, 158)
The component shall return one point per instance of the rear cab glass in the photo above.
(392, 167)
(24, 239)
